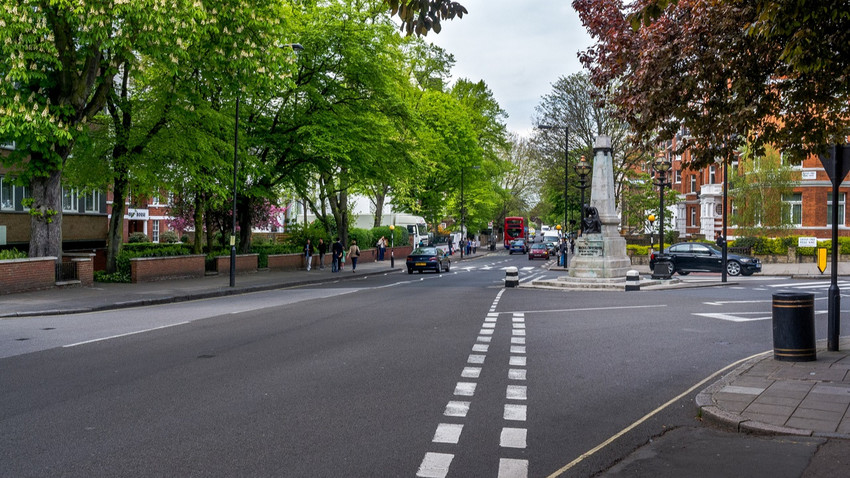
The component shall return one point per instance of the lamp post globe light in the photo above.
(661, 166)
(582, 168)
(392, 246)
(651, 219)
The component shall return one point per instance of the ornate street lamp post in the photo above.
(661, 166)
(582, 168)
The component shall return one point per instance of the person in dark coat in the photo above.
(308, 253)
(323, 249)
(336, 250)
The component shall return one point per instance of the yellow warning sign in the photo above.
(821, 259)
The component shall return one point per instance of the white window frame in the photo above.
(155, 230)
(92, 201)
(678, 176)
(693, 183)
(693, 217)
(7, 204)
(74, 198)
(841, 201)
(25, 194)
(795, 203)
(712, 170)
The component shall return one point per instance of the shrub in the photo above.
(131, 251)
(12, 254)
(137, 237)
(362, 236)
(169, 237)
(102, 276)
(638, 250)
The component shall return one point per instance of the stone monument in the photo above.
(602, 254)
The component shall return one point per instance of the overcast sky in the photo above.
(518, 47)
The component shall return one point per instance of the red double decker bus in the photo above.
(514, 229)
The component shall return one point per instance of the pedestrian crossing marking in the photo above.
(734, 317)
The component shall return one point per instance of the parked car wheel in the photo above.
(671, 269)
(733, 268)
(439, 270)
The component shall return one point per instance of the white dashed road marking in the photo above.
(436, 465)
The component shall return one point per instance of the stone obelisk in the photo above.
(602, 255)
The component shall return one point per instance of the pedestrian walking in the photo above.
(475, 246)
(308, 253)
(468, 247)
(354, 254)
(322, 249)
(336, 258)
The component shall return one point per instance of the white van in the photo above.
(551, 236)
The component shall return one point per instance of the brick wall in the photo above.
(288, 261)
(19, 275)
(84, 263)
(244, 263)
(149, 269)
(85, 271)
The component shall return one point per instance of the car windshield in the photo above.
(539, 246)
(424, 251)
(517, 242)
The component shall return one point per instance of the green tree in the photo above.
(422, 16)
(758, 191)
(764, 71)
(575, 103)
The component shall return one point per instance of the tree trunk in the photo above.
(115, 235)
(46, 215)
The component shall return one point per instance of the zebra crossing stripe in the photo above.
(435, 465)
(510, 468)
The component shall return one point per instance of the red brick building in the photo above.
(700, 212)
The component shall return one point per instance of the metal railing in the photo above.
(66, 271)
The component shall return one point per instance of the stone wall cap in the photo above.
(29, 259)
(166, 257)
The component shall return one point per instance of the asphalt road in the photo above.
(392, 375)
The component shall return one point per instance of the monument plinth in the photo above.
(602, 254)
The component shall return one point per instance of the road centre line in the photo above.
(651, 414)
(125, 335)
(584, 309)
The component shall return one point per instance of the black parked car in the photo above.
(428, 259)
(687, 257)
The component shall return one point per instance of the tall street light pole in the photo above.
(566, 178)
(463, 208)
(462, 215)
(582, 168)
(661, 165)
(297, 47)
